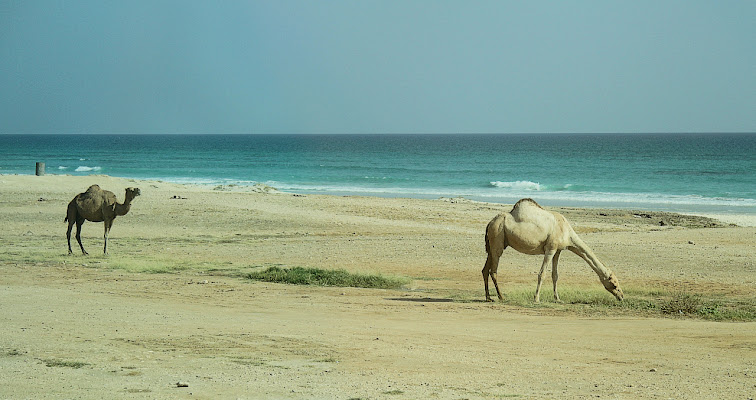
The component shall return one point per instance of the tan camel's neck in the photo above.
(581, 249)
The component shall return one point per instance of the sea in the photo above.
(695, 173)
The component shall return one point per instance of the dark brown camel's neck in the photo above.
(123, 209)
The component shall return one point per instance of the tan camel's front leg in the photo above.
(546, 260)
(555, 275)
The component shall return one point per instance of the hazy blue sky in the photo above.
(364, 66)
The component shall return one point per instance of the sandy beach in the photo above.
(170, 304)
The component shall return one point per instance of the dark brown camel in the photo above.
(96, 205)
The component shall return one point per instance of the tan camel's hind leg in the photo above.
(485, 272)
(546, 260)
(555, 275)
(489, 269)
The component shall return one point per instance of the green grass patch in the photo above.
(323, 277)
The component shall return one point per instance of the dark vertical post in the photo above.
(40, 168)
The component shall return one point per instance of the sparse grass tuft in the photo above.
(14, 352)
(640, 301)
(146, 266)
(64, 363)
(323, 277)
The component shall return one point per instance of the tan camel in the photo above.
(96, 205)
(530, 229)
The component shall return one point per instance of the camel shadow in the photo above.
(421, 300)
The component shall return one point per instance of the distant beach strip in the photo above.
(696, 173)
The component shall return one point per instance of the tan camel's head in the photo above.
(612, 285)
(132, 192)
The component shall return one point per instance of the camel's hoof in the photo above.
(489, 300)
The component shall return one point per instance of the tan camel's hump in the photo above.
(533, 229)
(528, 211)
(525, 201)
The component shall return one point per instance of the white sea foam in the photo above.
(510, 192)
(561, 196)
(522, 185)
(62, 167)
(83, 168)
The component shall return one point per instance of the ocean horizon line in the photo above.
(375, 133)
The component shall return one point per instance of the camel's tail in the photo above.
(495, 232)
(71, 208)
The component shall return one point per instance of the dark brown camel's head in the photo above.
(612, 285)
(131, 193)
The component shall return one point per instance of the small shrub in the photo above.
(682, 303)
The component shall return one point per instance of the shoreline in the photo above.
(707, 211)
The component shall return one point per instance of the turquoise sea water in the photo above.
(685, 173)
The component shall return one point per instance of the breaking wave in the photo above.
(84, 168)
(520, 185)
(529, 186)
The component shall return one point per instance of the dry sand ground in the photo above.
(138, 334)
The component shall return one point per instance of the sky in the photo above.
(390, 66)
